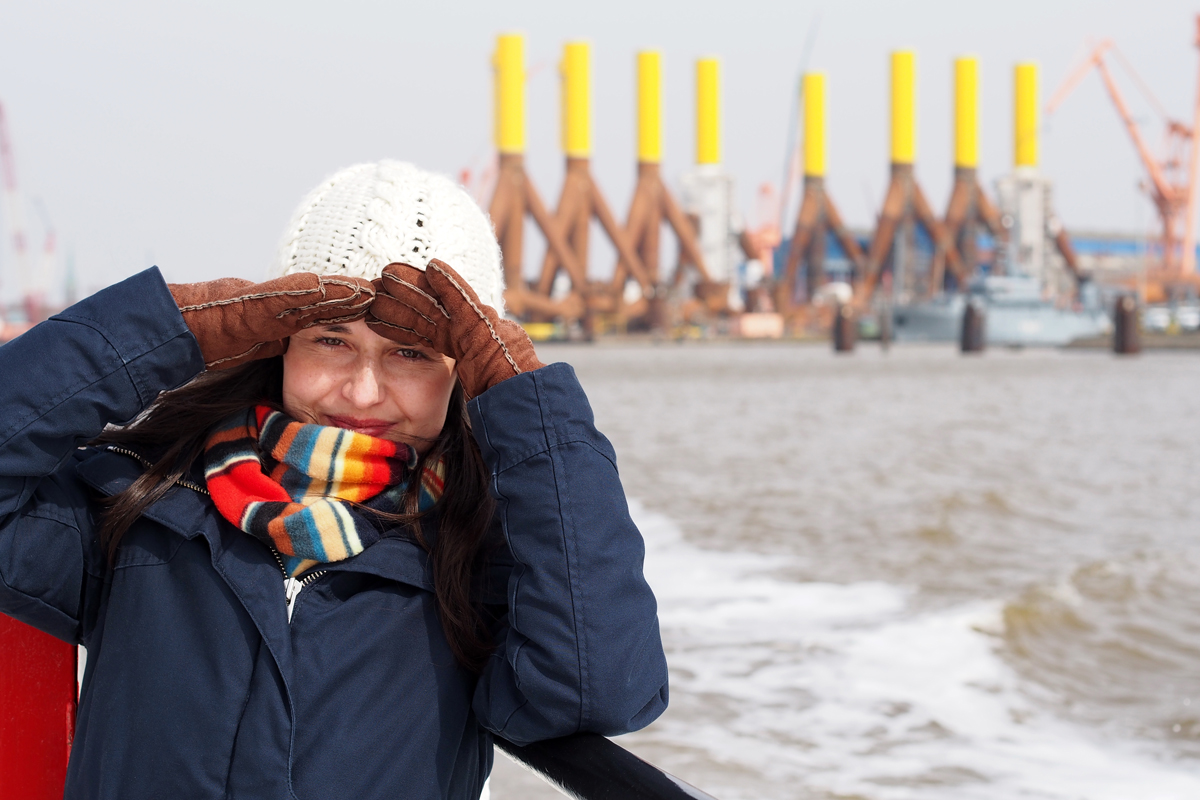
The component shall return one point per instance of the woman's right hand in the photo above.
(236, 321)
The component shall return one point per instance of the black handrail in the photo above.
(588, 766)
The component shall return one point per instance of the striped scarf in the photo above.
(293, 485)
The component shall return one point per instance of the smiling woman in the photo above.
(323, 535)
(347, 376)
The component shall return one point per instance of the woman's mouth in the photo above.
(367, 427)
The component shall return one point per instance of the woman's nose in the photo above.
(363, 388)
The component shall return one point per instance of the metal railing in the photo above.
(587, 766)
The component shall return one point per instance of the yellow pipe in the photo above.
(508, 64)
(904, 107)
(708, 111)
(1025, 130)
(966, 112)
(649, 70)
(576, 100)
(814, 124)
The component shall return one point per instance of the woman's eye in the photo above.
(330, 341)
(408, 353)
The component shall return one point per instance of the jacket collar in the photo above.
(236, 557)
(191, 513)
(182, 510)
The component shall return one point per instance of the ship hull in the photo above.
(1013, 321)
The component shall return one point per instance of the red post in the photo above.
(37, 711)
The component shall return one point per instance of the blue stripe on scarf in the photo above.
(299, 456)
(331, 474)
(302, 530)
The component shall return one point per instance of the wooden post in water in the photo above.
(885, 326)
(1127, 338)
(845, 328)
(974, 324)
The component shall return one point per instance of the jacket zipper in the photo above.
(291, 586)
(179, 482)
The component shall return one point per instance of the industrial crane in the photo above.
(1172, 179)
(34, 282)
(8, 174)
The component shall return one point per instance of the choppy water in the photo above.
(915, 575)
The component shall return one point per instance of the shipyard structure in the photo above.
(999, 252)
(1001, 249)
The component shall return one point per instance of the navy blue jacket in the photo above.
(196, 684)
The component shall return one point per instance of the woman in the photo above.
(363, 529)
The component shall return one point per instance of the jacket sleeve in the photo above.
(101, 361)
(581, 650)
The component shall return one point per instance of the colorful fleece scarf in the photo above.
(293, 484)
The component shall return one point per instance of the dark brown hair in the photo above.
(170, 436)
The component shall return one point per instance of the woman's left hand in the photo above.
(441, 309)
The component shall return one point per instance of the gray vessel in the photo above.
(1015, 315)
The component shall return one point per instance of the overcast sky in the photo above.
(184, 133)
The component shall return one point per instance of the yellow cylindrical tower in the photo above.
(966, 112)
(1025, 116)
(649, 71)
(708, 111)
(576, 100)
(904, 107)
(509, 66)
(814, 124)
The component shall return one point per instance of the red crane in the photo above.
(8, 174)
(1171, 180)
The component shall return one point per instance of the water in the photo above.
(914, 574)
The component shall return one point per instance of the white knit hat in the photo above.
(371, 215)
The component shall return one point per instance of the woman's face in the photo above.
(347, 376)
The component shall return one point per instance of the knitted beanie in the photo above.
(371, 215)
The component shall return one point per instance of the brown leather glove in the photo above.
(439, 308)
(236, 321)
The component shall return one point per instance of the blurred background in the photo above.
(897, 573)
(183, 135)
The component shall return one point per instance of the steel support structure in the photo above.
(514, 198)
(817, 218)
(652, 205)
(581, 201)
(904, 206)
(970, 209)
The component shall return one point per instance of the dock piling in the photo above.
(845, 328)
(974, 325)
(1127, 338)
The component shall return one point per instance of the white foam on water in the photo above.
(820, 690)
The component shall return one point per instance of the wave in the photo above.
(785, 689)
(1116, 644)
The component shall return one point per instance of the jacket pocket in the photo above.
(147, 544)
